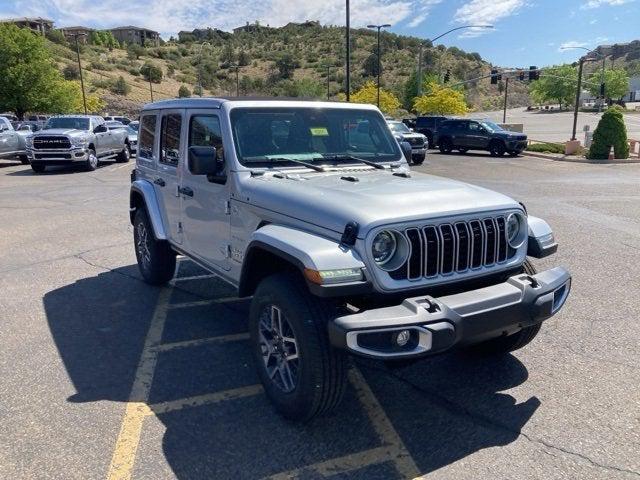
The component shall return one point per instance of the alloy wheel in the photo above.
(279, 348)
(142, 244)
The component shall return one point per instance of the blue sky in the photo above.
(527, 32)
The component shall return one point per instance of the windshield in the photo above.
(134, 126)
(492, 127)
(268, 135)
(399, 127)
(131, 131)
(68, 122)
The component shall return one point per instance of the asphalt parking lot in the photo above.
(106, 377)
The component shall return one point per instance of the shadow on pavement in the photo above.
(443, 409)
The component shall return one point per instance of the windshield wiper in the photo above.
(377, 165)
(317, 168)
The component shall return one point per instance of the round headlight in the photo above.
(383, 247)
(515, 231)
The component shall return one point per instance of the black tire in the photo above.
(92, 162)
(124, 155)
(504, 345)
(445, 145)
(156, 259)
(38, 167)
(497, 148)
(430, 143)
(514, 153)
(320, 370)
(463, 150)
(418, 160)
(24, 160)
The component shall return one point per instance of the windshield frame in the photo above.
(71, 119)
(278, 159)
(491, 126)
(403, 127)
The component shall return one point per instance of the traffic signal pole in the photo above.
(506, 92)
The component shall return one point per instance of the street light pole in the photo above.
(575, 107)
(433, 40)
(506, 92)
(84, 98)
(379, 27)
(348, 55)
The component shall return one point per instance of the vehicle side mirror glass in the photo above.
(205, 161)
(406, 150)
(100, 129)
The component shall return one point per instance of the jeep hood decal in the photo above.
(377, 198)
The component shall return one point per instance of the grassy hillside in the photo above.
(290, 61)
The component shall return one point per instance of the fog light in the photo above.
(402, 337)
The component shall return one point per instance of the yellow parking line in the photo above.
(202, 303)
(165, 347)
(193, 277)
(383, 426)
(206, 399)
(126, 447)
(348, 463)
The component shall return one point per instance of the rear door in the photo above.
(9, 140)
(169, 160)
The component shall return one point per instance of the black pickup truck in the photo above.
(468, 134)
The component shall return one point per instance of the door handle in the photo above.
(160, 182)
(186, 191)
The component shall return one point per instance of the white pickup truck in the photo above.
(12, 144)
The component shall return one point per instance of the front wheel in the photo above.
(156, 259)
(418, 160)
(302, 374)
(124, 155)
(24, 160)
(463, 150)
(92, 161)
(38, 167)
(497, 149)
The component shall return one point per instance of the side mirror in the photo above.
(205, 161)
(406, 150)
(100, 129)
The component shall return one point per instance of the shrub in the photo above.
(120, 87)
(184, 92)
(151, 72)
(546, 148)
(56, 36)
(71, 72)
(610, 132)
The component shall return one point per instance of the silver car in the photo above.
(311, 209)
(12, 142)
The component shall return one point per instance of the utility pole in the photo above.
(577, 105)
(84, 98)
(328, 82)
(348, 55)
(419, 90)
(150, 86)
(237, 67)
(379, 27)
(506, 92)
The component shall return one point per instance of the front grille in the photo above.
(44, 156)
(51, 142)
(457, 247)
(416, 142)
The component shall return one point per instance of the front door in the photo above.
(205, 212)
(478, 136)
(9, 141)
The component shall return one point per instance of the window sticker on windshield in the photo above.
(319, 131)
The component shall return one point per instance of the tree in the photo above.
(556, 84)
(441, 100)
(135, 51)
(228, 56)
(151, 72)
(610, 132)
(616, 83)
(120, 87)
(389, 103)
(29, 80)
(56, 36)
(243, 58)
(370, 65)
(71, 72)
(411, 87)
(184, 92)
(286, 65)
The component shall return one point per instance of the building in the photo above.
(136, 35)
(82, 33)
(251, 27)
(634, 89)
(202, 34)
(37, 24)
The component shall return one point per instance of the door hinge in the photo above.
(179, 227)
(228, 252)
(227, 207)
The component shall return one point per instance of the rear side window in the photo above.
(170, 139)
(146, 136)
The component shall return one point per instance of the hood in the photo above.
(61, 131)
(409, 135)
(377, 198)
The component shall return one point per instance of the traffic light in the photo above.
(494, 77)
(534, 74)
(602, 89)
(447, 76)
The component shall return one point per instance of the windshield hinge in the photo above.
(227, 207)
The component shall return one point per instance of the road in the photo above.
(104, 377)
(554, 126)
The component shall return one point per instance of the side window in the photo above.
(170, 139)
(474, 127)
(204, 131)
(147, 135)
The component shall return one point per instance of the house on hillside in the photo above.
(251, 27)
(307, 24)
(201, 34)
(37, 24)
(81, 32)
(136, 36)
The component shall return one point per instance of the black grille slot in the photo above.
(502, 239)
(464, 246)
(490, 253)
(478, 244)
(415, 259)
(48, 142)
(432, 251)
(448, 248)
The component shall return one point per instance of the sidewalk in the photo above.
(578, 159)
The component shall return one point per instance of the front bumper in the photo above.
(418, 152)
(517, 145)
(438, 324)
(58, 156)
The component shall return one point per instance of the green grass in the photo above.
(546, 148)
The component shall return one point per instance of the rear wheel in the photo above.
(124, 155)
(504, 345)
(302, 374)
(38, 167)
(445, 145)
(156, 259)
(497, 148)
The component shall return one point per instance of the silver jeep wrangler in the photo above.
(311, 209)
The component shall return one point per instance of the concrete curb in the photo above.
(574, 159)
